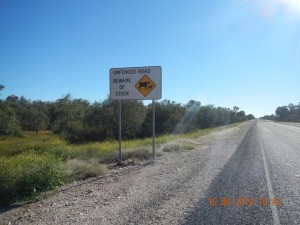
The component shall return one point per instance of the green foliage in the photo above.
(187, 122)
(30, 164)
(250, 117)
(203, 117)
(33, 160)
(10, 146)
(206, 117)
(9, 124)
(167, 115)
(67, 118)
(133, 116)
(283, 113)
(290, 113)
(78, 121)
(25, 175)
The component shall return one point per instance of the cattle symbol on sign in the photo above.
(145, 85)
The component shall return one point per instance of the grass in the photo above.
(10, 146)
(32, 164)
(77, 169)
(179, 145)
(27, 174)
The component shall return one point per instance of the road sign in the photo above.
(136, 83)
(145, 85)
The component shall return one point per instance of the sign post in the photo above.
(153, 130)
(120, 132)
(136, 83)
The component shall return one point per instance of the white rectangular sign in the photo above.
(135, 83)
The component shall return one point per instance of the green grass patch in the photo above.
(27, 174)
(32, 164)
(10, 146)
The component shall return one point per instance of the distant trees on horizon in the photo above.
(79, 121)
(288, 113)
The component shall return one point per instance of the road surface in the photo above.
(248, 174)
(261, 180)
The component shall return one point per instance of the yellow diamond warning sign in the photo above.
(145, 85)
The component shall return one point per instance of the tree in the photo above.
(133, 116)
(9, 124)
(186, 123)
(282, 113)
(193, 104)
(93, 123)
(39, 113)
(241, 116)
(206, 117)
(223, 116)
(286, 113)
(269, 117)
(235, 109)
(67, 117)
(77, 121)
(167, 115)
(110, 118)
(60, 115)
(250, 117)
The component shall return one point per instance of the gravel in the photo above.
(163, 193)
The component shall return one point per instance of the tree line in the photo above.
(287, 113)
(79, 121)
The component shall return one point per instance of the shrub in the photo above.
(179, 145)
(25, 175)
(77, 169)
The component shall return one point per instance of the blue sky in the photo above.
(222, 52)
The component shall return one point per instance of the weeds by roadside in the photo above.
(30, 165)
(28, 174)
(77, 169)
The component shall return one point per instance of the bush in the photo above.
(26, 175)
(77, 169)
(179, 145)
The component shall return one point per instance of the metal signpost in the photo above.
(136, 83)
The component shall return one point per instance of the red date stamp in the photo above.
(244, 201)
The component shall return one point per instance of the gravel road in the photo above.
(231, 177)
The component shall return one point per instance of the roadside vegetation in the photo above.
(44, 145)
(79, 121)
(32, 164)
(287, 113)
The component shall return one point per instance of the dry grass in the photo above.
(179, 145)
(77, 169)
